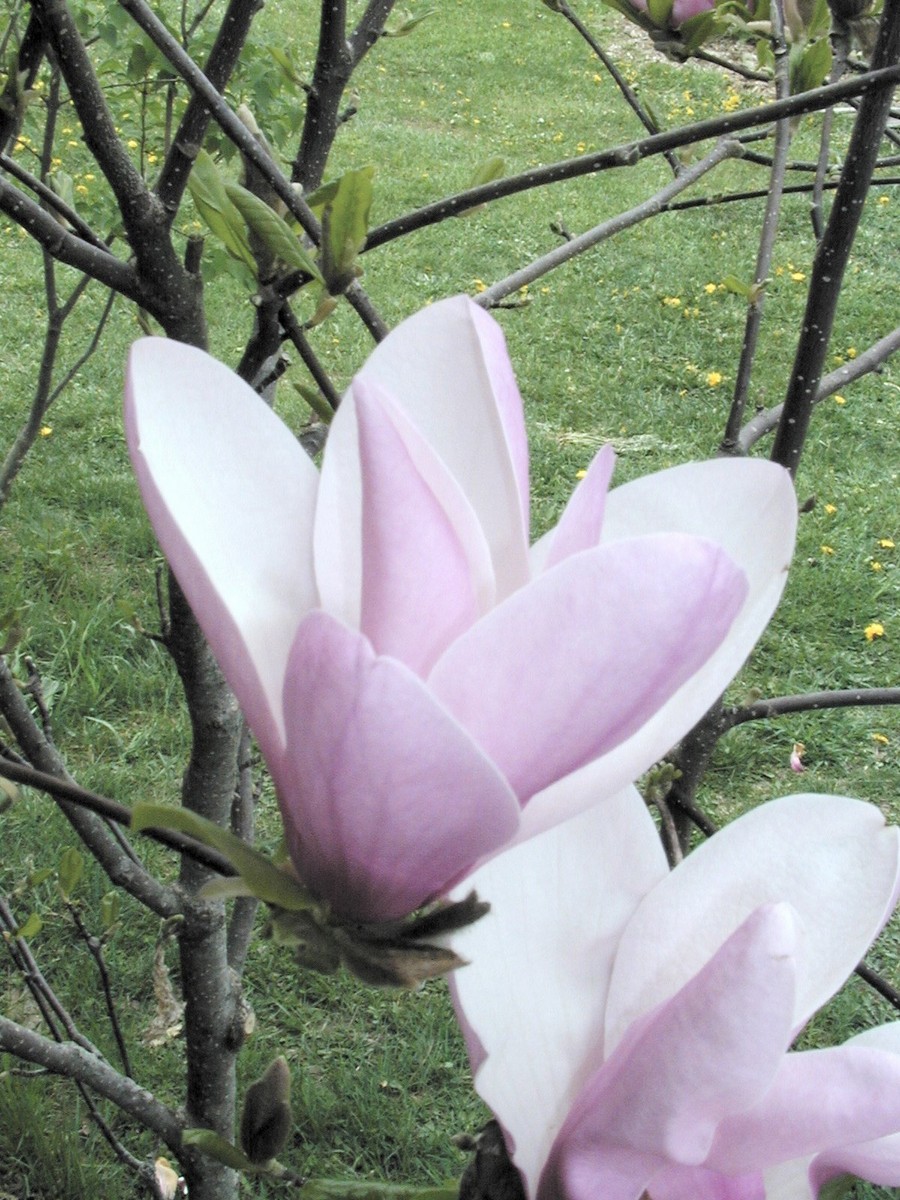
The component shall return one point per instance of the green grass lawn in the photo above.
(636, 342)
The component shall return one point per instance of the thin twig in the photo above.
(726, 148)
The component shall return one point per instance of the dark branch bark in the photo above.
(630, 153)
(834, 252)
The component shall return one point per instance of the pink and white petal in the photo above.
(231, 496)
(386, 800)
(608, 1169)
(582, 521)
(697, 1183)
(789, 1181)
(709, 1051)
(426, 568)
(574, 664)
(531, 1003)
(819, 1100)
(832, 858)
(749, 508)
(876, 1160)
(448, 370)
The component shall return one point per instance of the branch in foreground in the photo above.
(809, 702)
(631, 152)
(833, 254)
(62, 789)
(72, 1061)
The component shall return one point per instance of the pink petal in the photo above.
(582, 520)
(709, 1051)
(230, 493)
(531, 999)
(697, 1183)
(572, 665)
(819, 1100)
(747, 507)
(426, 569)
(877, 1160)
(386, 801)
(683, 10)
(832, 858)
(448, 371)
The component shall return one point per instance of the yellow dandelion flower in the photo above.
(580, 474)
(851, 352)
(46, 430)
(599, 79)
(884, 199)
(886, 543)
(831, 509)
(779, 270)
(881, 739)
(873, 631)
(581, 147)
(479, 285)
(827, 549)
(672, 301)
(798, 276)
(875, 565)
(713, 378)
(840, 400)
(709, 288)
(132, 144)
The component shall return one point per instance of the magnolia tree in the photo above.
(452, 714)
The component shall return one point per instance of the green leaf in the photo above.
(409, 24)
(207, 190)
(732, 284)
(31, 927)
(697, 30)
(70, 871)
(215, 1146)
(340, 1189)
(660, 11)
(110, 906)
(812, 66)
(322, 196)
(346, 224)
(492, 168)
(271, 229)
(264, 879)
(226, 887)
(315, 400)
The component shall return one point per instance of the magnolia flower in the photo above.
(636, 1040)
(681, 11)
(425, 687)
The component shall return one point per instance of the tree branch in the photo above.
(726, 148)
(631, 153)
(74, 1062)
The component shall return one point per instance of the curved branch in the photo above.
(74, 1062)
(71, 793)
(809, 702)
(65, 247)
(630, 153)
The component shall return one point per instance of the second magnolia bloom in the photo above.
(426, 687)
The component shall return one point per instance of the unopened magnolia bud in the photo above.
(266, 1119)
